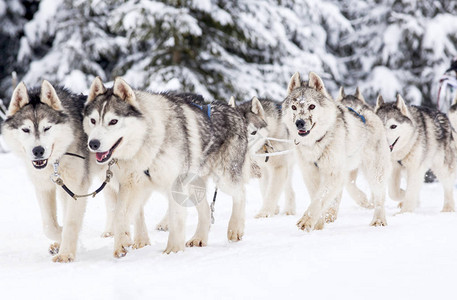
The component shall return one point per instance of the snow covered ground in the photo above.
(414, 257)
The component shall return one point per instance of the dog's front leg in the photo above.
(331, 185)
(235, 230)
(275, 185)
(110, 202)
(51, 228)
(395, 191)
(200, 238)
(289, 207)
(176, 226)
(141, 238)
(414, 181)
(163, 224)
(131, 199)
(72, 222)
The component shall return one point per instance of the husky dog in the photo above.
(157, 140)
(419, 139)
(44, 125)
(263, 119)
(358, 104)
(331, 141)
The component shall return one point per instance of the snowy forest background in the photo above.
(220, 48)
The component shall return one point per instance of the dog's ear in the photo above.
(359, 95)
(295, 82)
(257, 108)
(231, 102)
(401, 105)
(49, 96)
(124, 91)
(379, 103)
(96, 88)
(316, 83)
(341, 94)
(19, 99)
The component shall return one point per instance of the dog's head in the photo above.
(113, 121)
(397, 121)
(308, 109)
(257, 126)
(356, 101)
(37, 126)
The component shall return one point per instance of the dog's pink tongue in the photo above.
(101, 155)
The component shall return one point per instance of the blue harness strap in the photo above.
(358, 115)
(205, 108)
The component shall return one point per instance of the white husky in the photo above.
(44, 125)
(332, 141)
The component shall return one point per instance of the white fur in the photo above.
(332, 149)
(57, 140)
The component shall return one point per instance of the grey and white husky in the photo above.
(419, 139)
(44, 125)
(264, 121)
(331, 141)
(158, 139)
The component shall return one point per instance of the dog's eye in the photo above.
(92, 121)
(254, 132)
(311, 107)
(26, 130)
(294, 107)
(47, 128)
(113, 122)
(393, 126)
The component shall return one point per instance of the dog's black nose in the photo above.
(94, 144)
(300, 124)
(38, 151)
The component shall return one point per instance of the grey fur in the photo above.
(264, 120)
(169, 135)
(420, 139)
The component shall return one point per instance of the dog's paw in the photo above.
(107, 234)
(448, 208)
(289, 211)
(305, 223)
(54, 248)
(235, 231)
(162, 227)
(197, 242)
(121, 251)
(264, 213)
(173, 248)
(320, 224)
(331, 215)
(122, 245)
(63, 258)
(378, 222)
(367, 204)
(235, 235)
(138, 244)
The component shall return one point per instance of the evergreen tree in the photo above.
(398, 46)
(13, 16)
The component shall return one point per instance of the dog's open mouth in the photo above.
(40, 164)
(393, 145)
(302, 132)
(104, 156)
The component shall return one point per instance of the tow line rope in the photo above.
(276, 153)
(59, 181)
